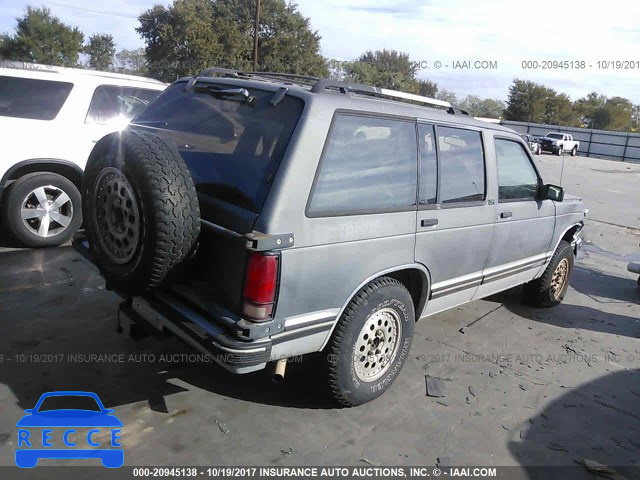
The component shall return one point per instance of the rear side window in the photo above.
(462, 165)
(112, 104)
(369, 165)
(233, 148)
(517, 179)
(32, 98)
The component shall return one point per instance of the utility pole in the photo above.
(255, 37)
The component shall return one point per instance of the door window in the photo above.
(462, 165)
(517, 179)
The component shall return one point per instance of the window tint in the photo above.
(517, 178)
(31, 98)
(462, 163)
(428, 165)
(369, 164)
(111, 104)
(233, 149)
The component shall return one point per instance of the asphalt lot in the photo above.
(522, 386)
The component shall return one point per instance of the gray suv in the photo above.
(265, 216)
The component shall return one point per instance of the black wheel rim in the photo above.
(118, 224)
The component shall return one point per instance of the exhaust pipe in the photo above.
(278, 373)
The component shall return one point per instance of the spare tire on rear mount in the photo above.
(140, 209)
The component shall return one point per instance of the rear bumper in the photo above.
(166, 313)
(634, 267)
(212, 335)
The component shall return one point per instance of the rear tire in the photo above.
(371, 342)
(42, 209)
(142, 216)
(549, 290)
(574, 151)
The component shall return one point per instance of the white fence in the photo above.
(623, 146)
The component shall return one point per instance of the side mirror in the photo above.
(109, 411)
(29, 411)
(552, 192)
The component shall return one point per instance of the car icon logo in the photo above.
(79, 430)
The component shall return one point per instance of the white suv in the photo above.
(50, 118)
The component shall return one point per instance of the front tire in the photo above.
(559, 153)
(371, 342)
(549, 290)
(42, 210)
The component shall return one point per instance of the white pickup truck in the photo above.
(559, 143)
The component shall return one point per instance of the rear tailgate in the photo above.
(233, 147)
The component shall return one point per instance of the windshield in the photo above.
(232, 145)
(557, 136)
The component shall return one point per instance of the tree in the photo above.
(620, 112)
(385, 69)
(132, 62)
(447, 96)
(101, 49)
(600, 112)
(191, 35)
(527, 101)
(479, 107)
(559, 110)
(41, 37)
(426, 88)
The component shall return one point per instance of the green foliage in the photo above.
(191, 35)
(426, 88)
(133, 62)
(531, 102)
(528, 101)
(447, 96)
(101, 49)
(41, 37)
(384, 69)
(479, 107)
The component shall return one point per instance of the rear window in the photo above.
(557, 136)
(233, 148)
(115, 105)
(32, 98)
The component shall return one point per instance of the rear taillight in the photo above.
(260, 285)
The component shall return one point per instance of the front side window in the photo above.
(369, 165)
(517, 179)
(32, 98)
(462, 165)
(115, 105)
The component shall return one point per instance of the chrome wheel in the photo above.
(559, 279)
(47, 211)
(377, 344)
(117, 221)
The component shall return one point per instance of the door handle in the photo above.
(506, 215)
(429, 222)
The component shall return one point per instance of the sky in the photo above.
(447, 31)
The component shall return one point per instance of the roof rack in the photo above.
(346, 87)
(321, 85)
